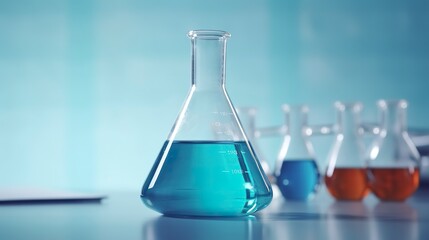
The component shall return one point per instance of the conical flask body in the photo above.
(207, 166)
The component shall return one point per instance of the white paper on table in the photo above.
(34, 195)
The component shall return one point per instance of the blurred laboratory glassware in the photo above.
(248, 118)
(207, 166)
(393, 159)
(420, 138)
(296, 171)
(256, 134)
(345, 176)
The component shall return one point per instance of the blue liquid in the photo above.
(298, 179)
(206, 178)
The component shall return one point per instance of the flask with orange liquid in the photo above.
(345, 176)
(393, 166)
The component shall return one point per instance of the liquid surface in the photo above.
(348, 183)
(393, 184)
(298, 179)
(206, 178)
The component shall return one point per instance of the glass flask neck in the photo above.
(208, 59)
(347, 150)
(348, 118)
(296, 120)
(295, 145)
(393, 115)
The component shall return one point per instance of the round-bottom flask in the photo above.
(345, 176)
(393, 171)
(297, 174)
(207, 166)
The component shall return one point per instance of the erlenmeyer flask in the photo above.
(296, 171)
(393, 158)
(345, 176)
(207, 166)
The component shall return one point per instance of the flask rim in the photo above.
(354, 106)
(400, 103)
(300, 107)
(208, 34)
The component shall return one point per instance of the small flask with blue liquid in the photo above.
(207, 167)
(296, 171)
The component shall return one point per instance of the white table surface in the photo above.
(123, 216)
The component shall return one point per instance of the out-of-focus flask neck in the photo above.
(208, 59)
(296, 145)
(296, 120)
(348, 118)
(393, 115)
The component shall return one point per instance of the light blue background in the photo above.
(90, 89)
